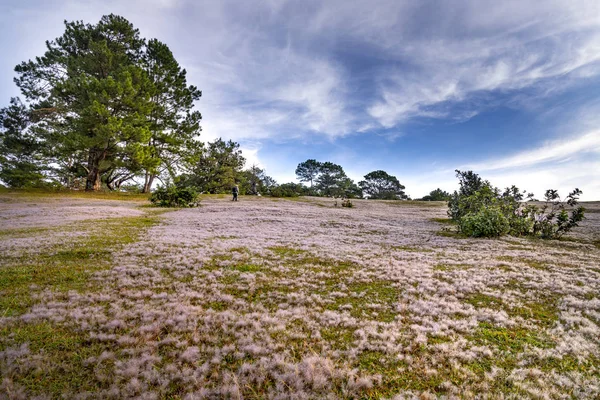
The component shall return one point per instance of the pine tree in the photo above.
(94, 95)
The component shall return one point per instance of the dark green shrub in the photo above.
(487, 222)
(286, 190)
(520, 225)
(173, 196)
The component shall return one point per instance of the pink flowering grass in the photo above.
(299, 299)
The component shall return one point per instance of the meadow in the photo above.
(102, 296)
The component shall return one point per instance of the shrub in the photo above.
(172, 196)
(487, 222)
(552, 220)
(482, 210)
(286, 190)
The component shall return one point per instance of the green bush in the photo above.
(347, 203)
(487, 222)
(173, 196)
(286, 190)
(483, 210)
(520, 225)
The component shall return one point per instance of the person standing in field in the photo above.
(235, 191)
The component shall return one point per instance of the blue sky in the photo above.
(509, 89)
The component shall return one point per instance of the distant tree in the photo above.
(332, 180)
(308, 170)
(437, 195)
(20, 150)
(350, 189)
(256, 181)
(380, 185)
(216, 169)
(288, 190)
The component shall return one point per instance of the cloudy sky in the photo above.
(509, 89)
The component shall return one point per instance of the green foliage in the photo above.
(20, 150)
(333, 182)
(172, 196)
(380, 185)
(487, 222)
(255, 181)
(173, 125)
(482, 210)
(552, 220)
(330, 180)
(92, 95)
(308, 170)
(214, 169)
(469, 183)
(288, 190)
(437, 195)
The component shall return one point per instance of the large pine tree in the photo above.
(113, 106)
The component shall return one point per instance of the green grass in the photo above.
(543, 313)
(19, 194)
(339, 338)
(67, 266)
(285, 251)
(511, 340)
(62, 368)
(373, 292)
(451, 267)
(480, 300)
(445, 221)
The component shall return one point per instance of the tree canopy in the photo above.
(327, 179)
(437, 195)
(380, 185)
(19, 148)
(216, 168)
(308, 170)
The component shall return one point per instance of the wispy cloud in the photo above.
(334, 68)
(554, 151)
(312, 72)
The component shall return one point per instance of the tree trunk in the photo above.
(93, 182)
(148, 182)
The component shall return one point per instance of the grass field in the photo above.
(104, 297)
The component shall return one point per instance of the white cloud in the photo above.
(268, 67)
(554, 151)
(250, 153)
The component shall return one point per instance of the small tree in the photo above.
(255, 181)
(215, 169)
(552, 220)
(380, 185)
(469, 183)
